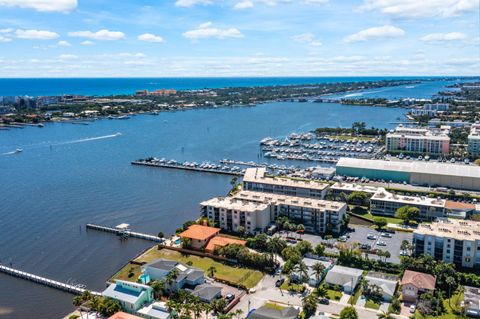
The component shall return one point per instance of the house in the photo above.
(312, 276)
(415, 283)
(220, 241)
(388, 283)
(345, 277)
(156, 310)
(471, 301)
(123, 315)
(207, 292)
(269, 312)
(199, 235)
(131, 296)
(160, 268)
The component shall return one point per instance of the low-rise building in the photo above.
(387, 283)
(268, 312)
(318, 216)
(450, 240)
(386, 203)
(131, 296)
(345, 277)
(348, 188)
(155, 310)
(418, 140)
(207, 292)
(474, 141)
(220, 241)
(415, 283)
(256, 179)
(471, 301)
(123, 315)
(312, 279)
(199, 235)
(160, 268)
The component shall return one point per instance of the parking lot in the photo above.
(392, 245)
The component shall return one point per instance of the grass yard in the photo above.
(235, 275)
(392, 220)
(287, 285)
(129, 273)
(332, 294)
(354, 298)
(372, 305)
(450, 313)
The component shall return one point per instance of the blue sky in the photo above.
(105, 38)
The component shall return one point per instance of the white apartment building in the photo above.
(256, 179)
(474, 140)
(450, 240)
(430, 109)
(419, 140)
(348, 188)
(231, 213)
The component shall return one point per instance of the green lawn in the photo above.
(236, 275)
(450, 313)
(392, 220)
(287, 285)
(354, 298)
(126, 273)
(372, 305)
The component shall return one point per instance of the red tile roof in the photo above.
(200, 232)
(220, 241)
(123, 315)
(419, 280)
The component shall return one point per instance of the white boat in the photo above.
(18, 150)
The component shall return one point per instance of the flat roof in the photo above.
(354, 187)
(451, 228)
(418, 167)
(383, 195)
(259, 175)
(235, 204)
(277, 199)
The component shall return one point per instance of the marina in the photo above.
(74, 289)
(205, 168)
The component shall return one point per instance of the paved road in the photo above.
(266, 291)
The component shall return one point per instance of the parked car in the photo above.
(387, 235)
(324, 301)
(382, 243)
(372, 237)
(279, 282)
(229, 297)
(412, 308)
(343, 238)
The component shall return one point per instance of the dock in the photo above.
(125, 232)
(77, 290)
(188, 168)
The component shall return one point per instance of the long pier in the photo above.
(127, 233)
(45, 281)
(187, 168)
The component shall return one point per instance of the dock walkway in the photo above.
(188, 168)
(126, 233)
(45, 281)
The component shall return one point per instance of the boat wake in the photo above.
(89, 139)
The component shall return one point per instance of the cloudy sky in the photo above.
(134, 38)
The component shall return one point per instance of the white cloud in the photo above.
(244, 4)
(7, 30)
(148, 37)
(42, 5)
(441, 37)
(315, 2)
(36, 34)
(386, 31)
(191, 3)
(206, 30)
(420, 8)
(307, 38)
(4, 39)
(103, 34)
(67, 57)
(63, 43)
(86, 42)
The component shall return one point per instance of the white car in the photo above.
(387, 235)
(372, 237)
(381, 243)
(412, 308)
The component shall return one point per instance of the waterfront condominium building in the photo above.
(255, 211)
(230, 213)
(418, 140)
(256, 179)
(474, 140)
(450, 240)
(386, 203)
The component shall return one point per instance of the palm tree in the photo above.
(385, 315)
(207, 308)
(275, 244)
(158, 288)
(301, 270)
(77, 301)
(211, 271)
(172, 276)
(450, 281)
(318, 269)
(237, 313)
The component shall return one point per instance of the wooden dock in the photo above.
(188, 168)
(126, 233)
(45, 281)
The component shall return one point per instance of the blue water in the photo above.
(112, 86)
(69, 175)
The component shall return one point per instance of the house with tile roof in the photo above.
(220, 241)
(415, 283)
(199, 235)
